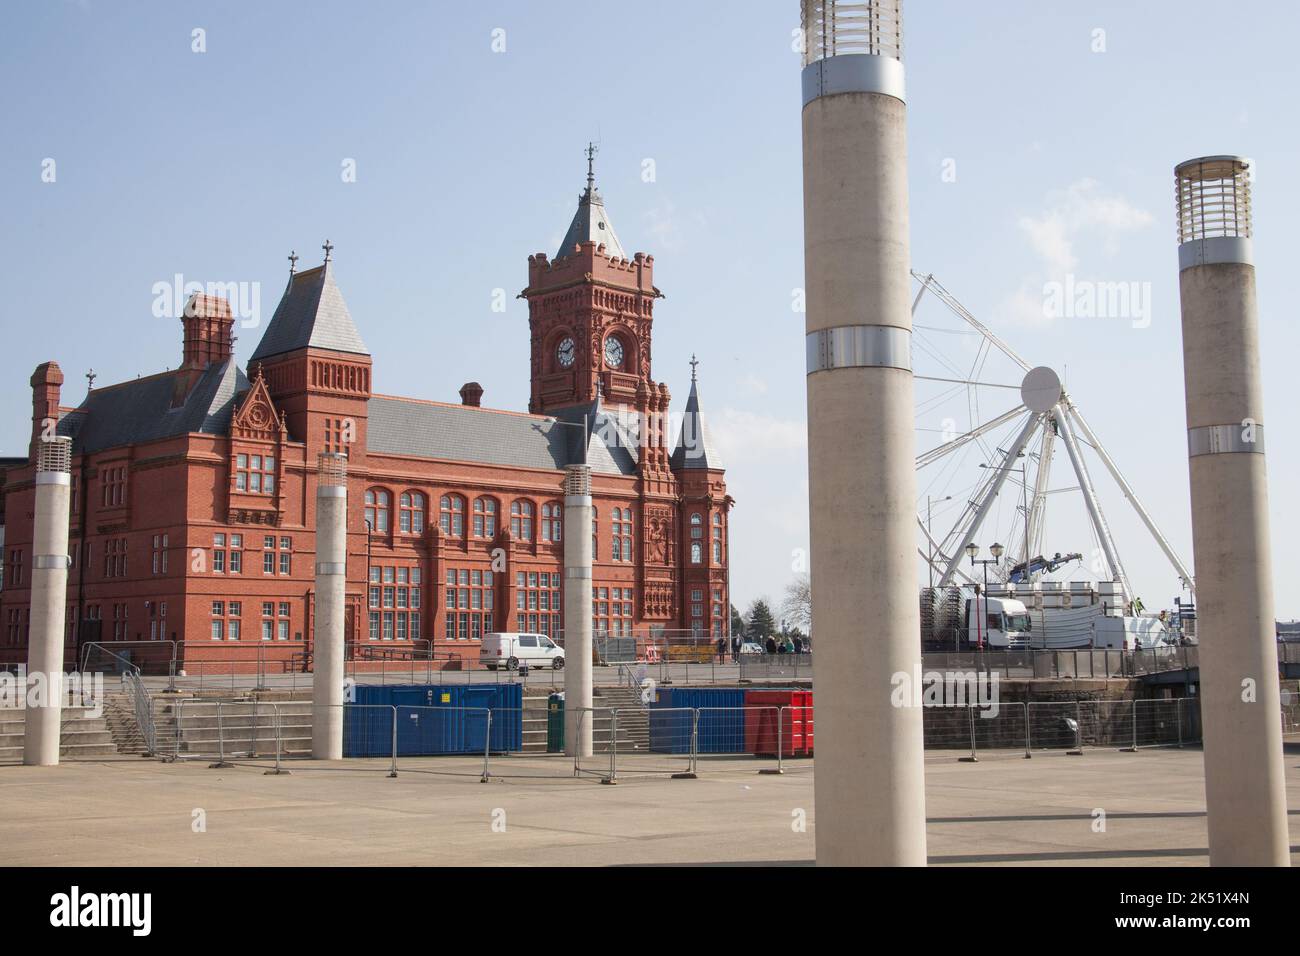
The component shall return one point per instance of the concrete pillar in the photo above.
(49, 603)
(577, 610)
(1245, 795)
(870, 793)
(331, 581)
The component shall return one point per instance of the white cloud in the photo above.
(748, 436)
(1071, 213)
(1079, 215)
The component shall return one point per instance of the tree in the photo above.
(737, 623)
(761, 623)
(797, 606)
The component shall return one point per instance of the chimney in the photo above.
(208, 323)
(471, 394)
(47, 382)
(208, 341)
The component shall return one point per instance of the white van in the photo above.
(509, 649)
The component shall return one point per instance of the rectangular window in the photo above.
(268, 628)
(232, 630)
(282, 630)
(216, 630)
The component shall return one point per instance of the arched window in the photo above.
(552, 521)
(378, 504)
(485, 518)
(410, 516)
(451, 515)
(717, 538)
(621, 534)
(697, 553)
(697, 527)
(521, 520)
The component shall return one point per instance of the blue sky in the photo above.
(214, 165)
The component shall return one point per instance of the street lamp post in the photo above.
(997, 551)
(1024, 495)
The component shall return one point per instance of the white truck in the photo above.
(1043, 616)
(958, 619)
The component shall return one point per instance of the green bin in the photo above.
(555, 724)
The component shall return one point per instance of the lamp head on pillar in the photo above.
(54, 456)
(332, 469)
(1214, 216)
(852, 47)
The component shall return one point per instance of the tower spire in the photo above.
(592, 149)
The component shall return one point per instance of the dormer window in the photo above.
(255, 474)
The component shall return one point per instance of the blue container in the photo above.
(721, 731)
(434, 719)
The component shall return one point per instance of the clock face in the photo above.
(613, 352)
(566, 352)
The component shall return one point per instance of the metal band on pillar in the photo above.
(859, 346)
(1225, 440)
(853, 74)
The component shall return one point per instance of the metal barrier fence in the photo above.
(1067, 726)
(658, 741)
(776, 666)
(219, 730)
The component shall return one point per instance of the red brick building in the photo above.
(193, 490)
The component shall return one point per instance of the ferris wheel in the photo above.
(1020, 441)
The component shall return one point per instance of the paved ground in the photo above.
(1003, 809)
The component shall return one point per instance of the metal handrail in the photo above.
(142, 705)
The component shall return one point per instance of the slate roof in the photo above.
(591, 224)
(403, 426)
(695, 449)
(311, 313)
(140, 410)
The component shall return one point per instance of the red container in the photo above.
(796, 731)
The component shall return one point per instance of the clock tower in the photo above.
(590, 310)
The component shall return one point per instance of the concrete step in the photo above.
(9, 714)
(10, 753)
(76, 735)
(241, 721)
